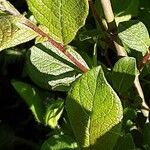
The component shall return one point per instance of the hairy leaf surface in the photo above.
(63, 18)
(135, 35)
(12, 34)
(124, 73)
(48, 67)
(94, 111)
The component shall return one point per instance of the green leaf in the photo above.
(124, 73)
(12, 33)
(46, 112)
(146, 134)
(135, 35)
(48, 67)
(125, 143)
(53, 112)
(123, 10)
(62, 18)
(32, 98)
(94, 111)
(59, 142)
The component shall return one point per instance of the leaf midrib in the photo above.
(90, 118)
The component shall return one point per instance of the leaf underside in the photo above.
(12, 34)
(50, 68)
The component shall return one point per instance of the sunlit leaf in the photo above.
(94, 111)
(62, 18)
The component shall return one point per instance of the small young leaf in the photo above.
(94, 111)
(59, 142)
(32, 98)
(53, 112)
(135, 35)
(62, 18)
(124, 73)
(123, 10)
(48, 67)
(12, 34)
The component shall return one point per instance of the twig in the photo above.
(145, 108)
(59, 46)
(6, 6)
(97, 17)
(112, 27)
(140, 93)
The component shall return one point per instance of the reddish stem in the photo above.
(59, 46)
(96, 15)
(144, 60)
